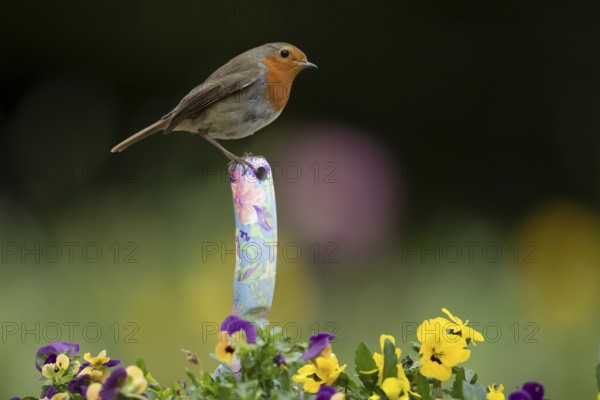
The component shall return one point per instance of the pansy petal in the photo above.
(53, 349)
(225, 351)
(452, 317)
(369, 372)
(519, 395)
(312, 386)
(318, 343)
(495, 393)
(51, 391)
(93, 392)
(325, 366)
(113, 384)
(76, 385)
(279, 360)
(306, 370)
(112, 363)
(321, 336)
(137, 377)
(392, 388)
(432, 369)
(535, 390)
(250, 330)
(43, 351)
(233, 324)
(335, 374)
(325, 392)
(433, 328)
(227, 320)
(452, 355)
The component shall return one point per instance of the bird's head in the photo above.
(285, 57)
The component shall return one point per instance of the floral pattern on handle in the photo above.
(255, 239)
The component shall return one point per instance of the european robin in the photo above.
(243, 96)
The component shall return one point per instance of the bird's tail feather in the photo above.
(144, 133)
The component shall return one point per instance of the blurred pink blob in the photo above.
(338, 190)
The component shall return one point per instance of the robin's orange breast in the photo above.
(279, 80)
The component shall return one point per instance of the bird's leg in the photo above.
(226, 152)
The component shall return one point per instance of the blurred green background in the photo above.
(444, 154)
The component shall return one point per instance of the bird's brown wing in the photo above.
(207, 93)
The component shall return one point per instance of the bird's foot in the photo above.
(260, 172)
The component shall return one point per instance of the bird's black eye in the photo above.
(284, 53)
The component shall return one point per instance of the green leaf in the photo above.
(469, 374)
(416, 347)
(457, 387)
(598, 377)
(390, 360)
(193, 377)
(363, 359)
(474, 379)
(473, 392)
(207, 380)
(141, 363)
(423, 388)
(342, 381)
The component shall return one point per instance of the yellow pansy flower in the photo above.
(495, 394)
(62, 361)
(449, 330)
(225, 351)
(75, 367)
(462, 329)
(138, 383)
(58, 396)
(100, 359)
(436, 329)
(394, 389)
(439, 356)
(327, 370)
(93, 392)
(50, 370)
(378, 358)
(97, 370)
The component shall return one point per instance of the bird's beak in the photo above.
(306, 64)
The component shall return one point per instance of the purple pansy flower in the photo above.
(77, 385)
(325, 392)
(47, 354)
(244, 235)
(318, 343)
(116, 380)
(529, 391)
(233, 324)
(519, 395)
(279, 360)
(110, 363)
(535, 390)
(51, 391)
